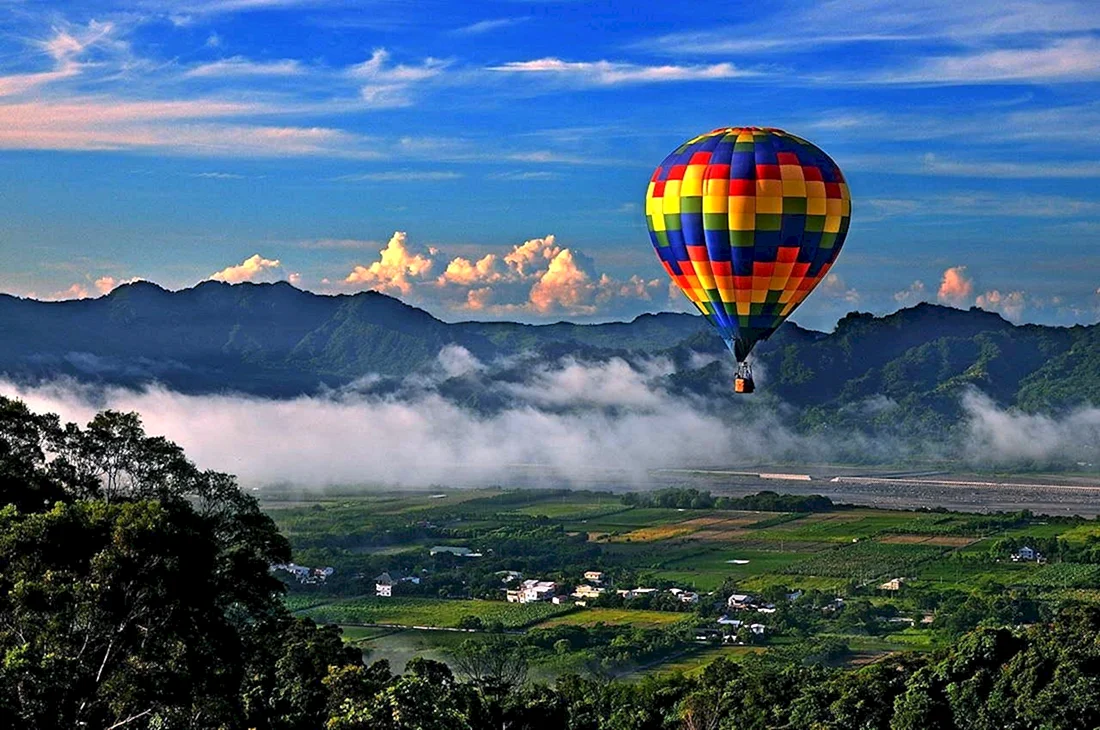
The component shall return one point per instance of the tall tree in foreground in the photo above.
(135, 590)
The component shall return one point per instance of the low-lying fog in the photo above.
(567, 417)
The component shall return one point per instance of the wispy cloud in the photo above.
(218, 175)
(932, 164)
(339, 243)
(401, 176)
(613, 73)
(240, 66)
(524, 175)
(488, 26)
(891, 22)
(390, 85)
(1065, 60)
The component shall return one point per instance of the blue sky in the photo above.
(489, 159)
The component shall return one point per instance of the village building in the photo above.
(1027, 554)
(585, 591)
(594, 576)
(684, 596)
(741, 602)
(531, 591)
(383, 586)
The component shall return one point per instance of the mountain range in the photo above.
(278, 341)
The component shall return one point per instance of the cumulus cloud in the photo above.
(395, 270)
(1010, 304)
(539, 277)
(76, 291)
(463, 272)
(835, 287)
(254, 268)
(107, 284)
(912, 294)
(565, 286)
(956, 287)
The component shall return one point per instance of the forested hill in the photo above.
(273, 339)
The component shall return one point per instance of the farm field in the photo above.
(615, 617)
(430, 612)
(834, 556)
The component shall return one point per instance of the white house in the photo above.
(531, 591)
(383, 586)
(631, 593)
(684, 596)
(741, 602)
(894, 584)
(593, 576)
(736, 625)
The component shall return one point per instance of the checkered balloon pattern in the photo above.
(747, 221)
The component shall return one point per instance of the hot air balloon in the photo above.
(747, 221)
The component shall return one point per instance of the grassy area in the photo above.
(300, 603)
(970, 575)
(430, 612)
(865, 560)
(615, 617)
(696, 660)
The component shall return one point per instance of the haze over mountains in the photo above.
(278, 341)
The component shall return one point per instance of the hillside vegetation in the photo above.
(905, 371)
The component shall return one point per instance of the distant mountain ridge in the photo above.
(276, 340)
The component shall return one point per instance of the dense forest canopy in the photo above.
(135, 592)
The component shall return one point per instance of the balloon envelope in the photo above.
(747, 221)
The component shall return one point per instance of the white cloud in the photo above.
(1011, 304)
(998, 436)
(560, 427)
(1067, 59)
(401, 176)
(456, 361)
(241, 66)
(255, 268)
(613, 73)
(568, 421)
(835, 287)
(488, 26)
(911, 295)
(894, 22)
(935, 165)
(387, 85)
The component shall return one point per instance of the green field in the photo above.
(615, 617)
(697, 659)
(430, 612)
(558, 535)
(865, 560)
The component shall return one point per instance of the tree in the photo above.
(135, 589)
(495, 666)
